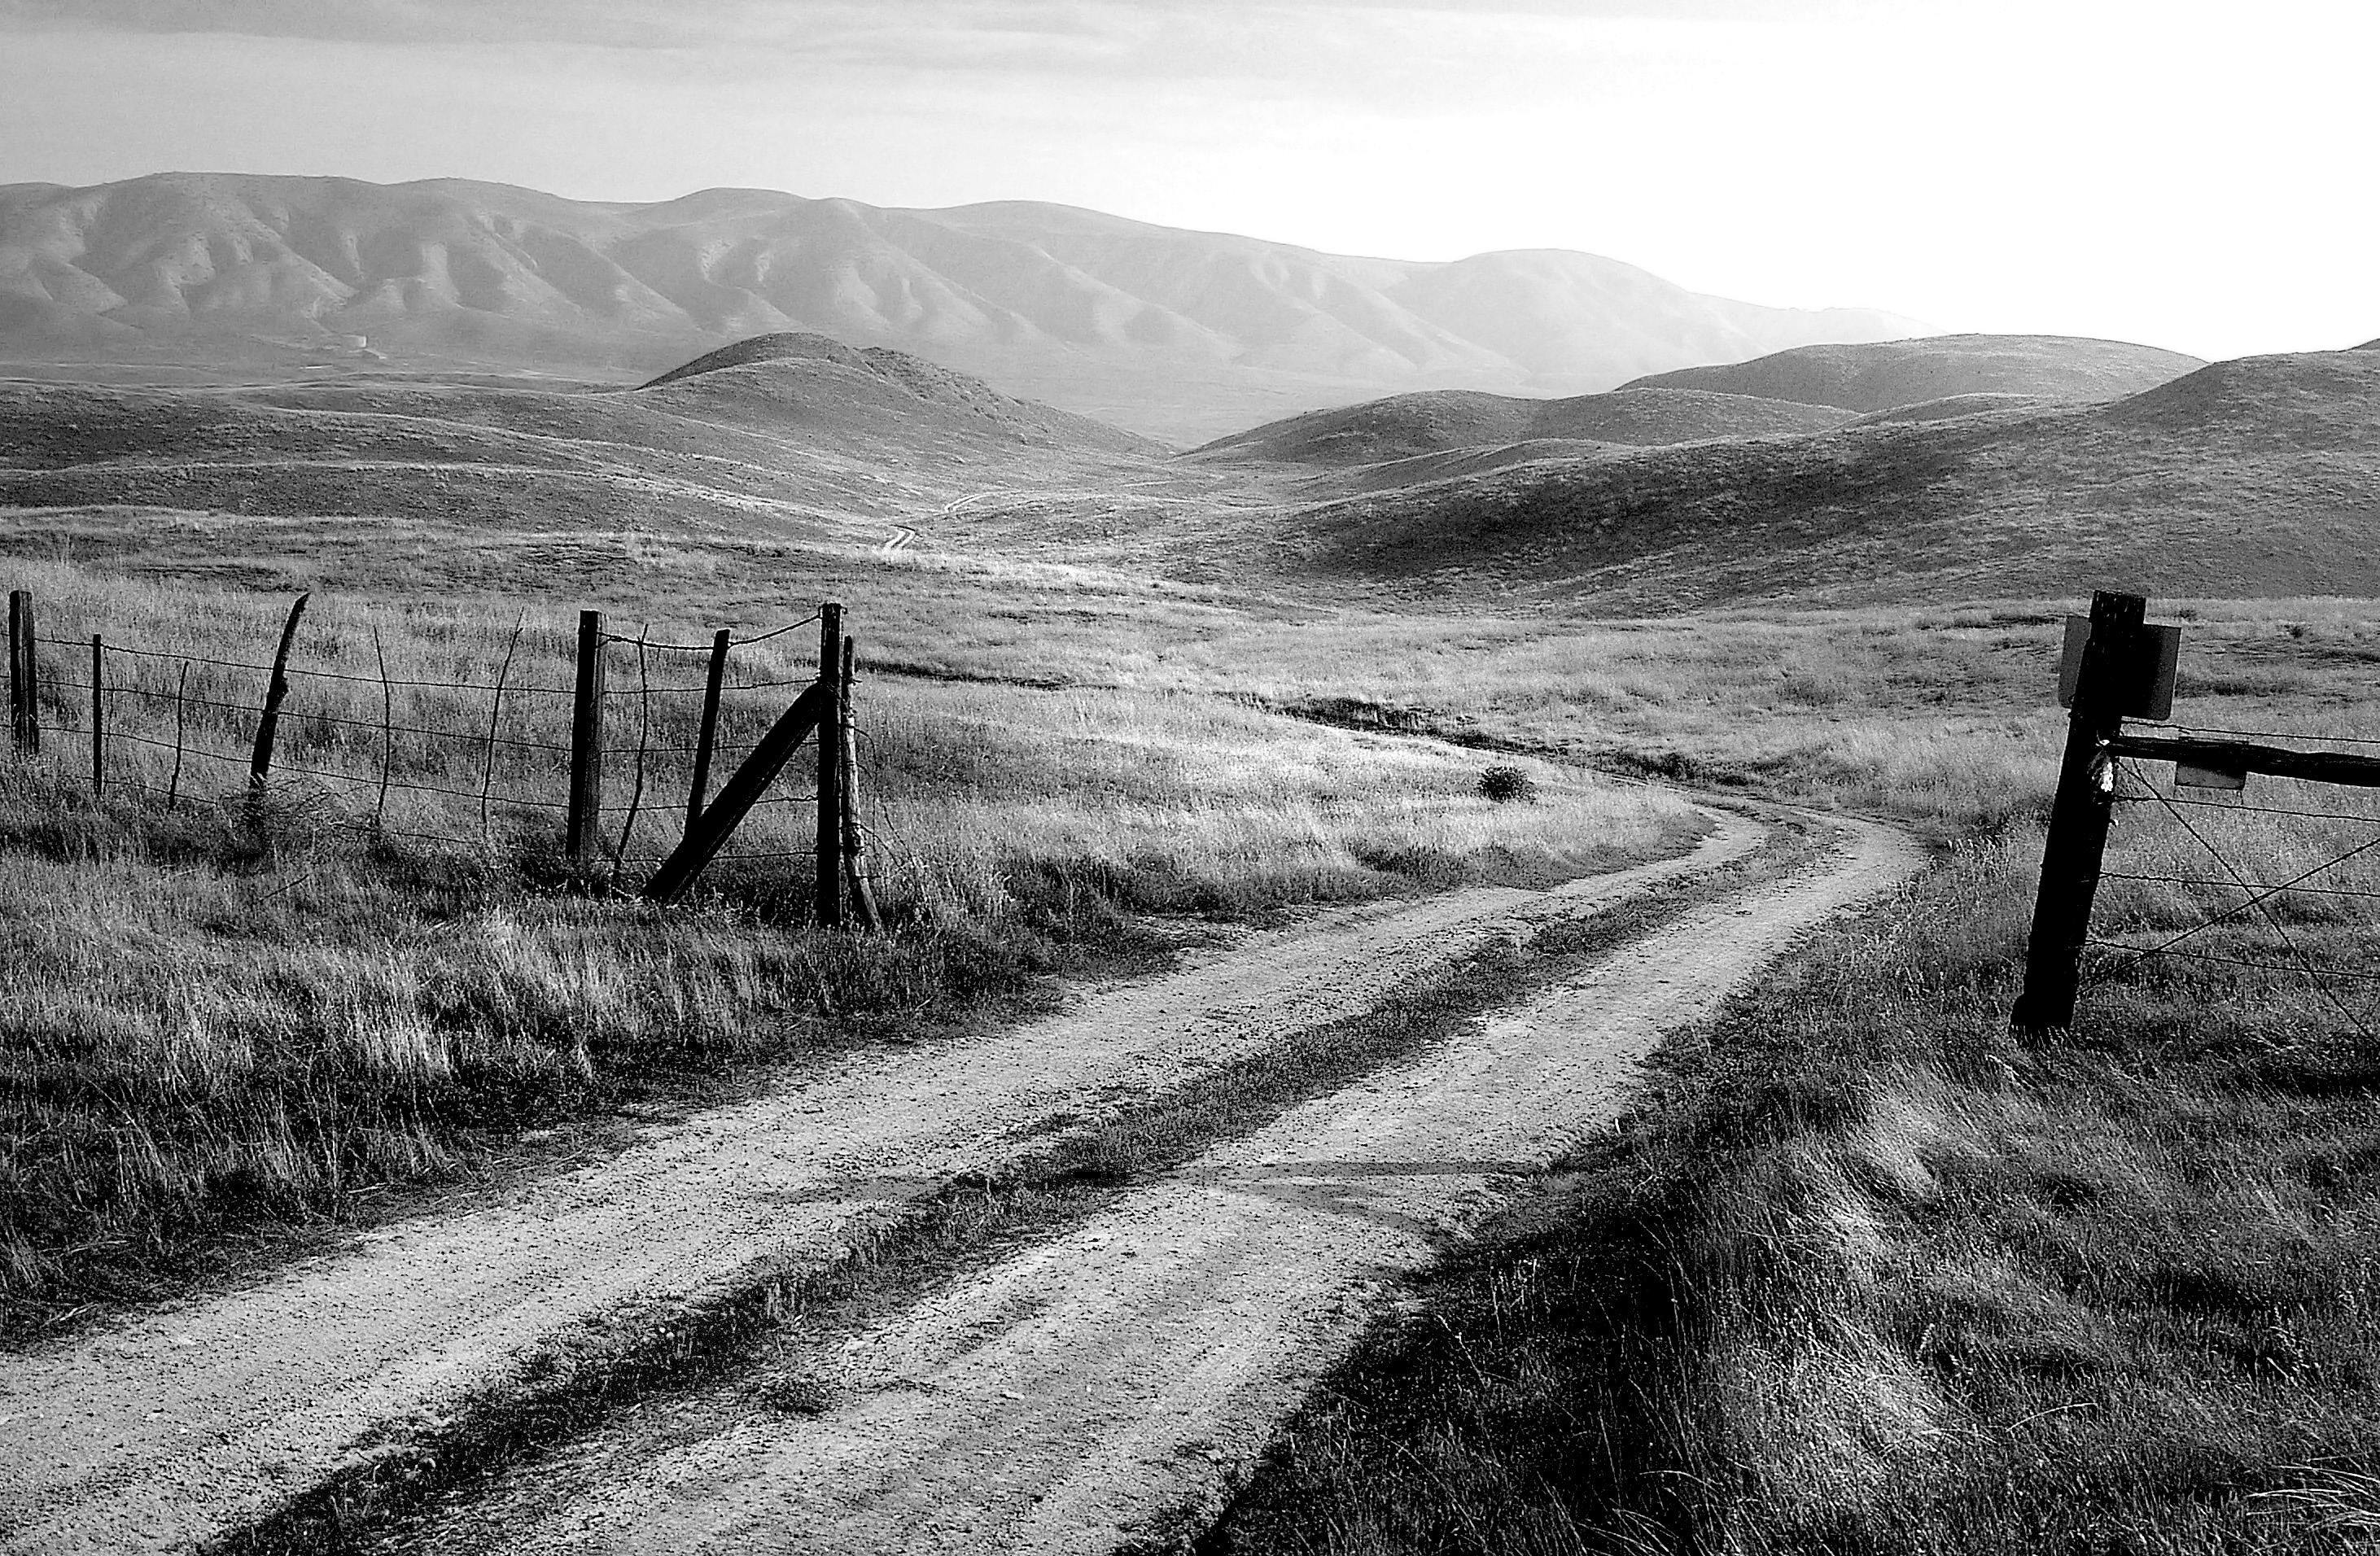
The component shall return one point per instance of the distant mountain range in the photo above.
(1185, 335)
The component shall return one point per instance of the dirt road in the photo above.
(1097, 1388)
(1107, 1383)
(178, 1424)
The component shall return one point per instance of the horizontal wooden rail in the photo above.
(2235, 756)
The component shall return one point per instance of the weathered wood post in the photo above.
(98, 714)
(830, 769)
(587, 742)
(276, 686)
(812, 710)
(855, 856)
(708, 736)
(24, 674)
(2077, 840)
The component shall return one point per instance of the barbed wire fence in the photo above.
(2242, 915)
(516, 761)
(2214, 878)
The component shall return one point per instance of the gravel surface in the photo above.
(1107, 1386)
(180, 1422)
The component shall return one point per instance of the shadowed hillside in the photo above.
(1405, 425)
(2258, 477)
(1182, 335)
(1903, 373)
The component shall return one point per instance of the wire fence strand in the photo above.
(2347, 975)
(214, 707)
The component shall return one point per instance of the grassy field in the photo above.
(1863, 1275)
(1860, 1276)
(218, 1016)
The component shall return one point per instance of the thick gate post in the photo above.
(2077, 842)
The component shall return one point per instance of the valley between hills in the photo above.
(1446, 955)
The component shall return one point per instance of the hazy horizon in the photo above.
(2173, 174)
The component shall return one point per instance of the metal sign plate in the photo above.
(2187, 775)
(2150, 692)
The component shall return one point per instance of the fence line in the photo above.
(129, 712)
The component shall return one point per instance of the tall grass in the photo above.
(1866, 1277)
(222, 1014)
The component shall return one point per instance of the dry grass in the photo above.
(1866, 1278)
(214, 1019)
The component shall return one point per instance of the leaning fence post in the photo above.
(586, 741)
(98, 714)
(830, 770)
(2076, 840)
(260, 763)
(705, 737)
(24, 674)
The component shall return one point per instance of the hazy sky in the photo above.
(2197, 176)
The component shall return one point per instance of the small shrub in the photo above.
(1505, 783)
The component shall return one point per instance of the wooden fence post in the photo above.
(854, 856)
(830, 770)
(2077, 840)
(259, 761)
(813, 710)
(98, 714)
(587, 742)
(24, 674)
(708, 736)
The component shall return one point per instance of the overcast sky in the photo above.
(2196, 175)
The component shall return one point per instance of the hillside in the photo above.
(1405, 425)
(785, 443)
(781, 382)
(1883, 375)
(2253, 478)
(1182, 335)
(1952, 404)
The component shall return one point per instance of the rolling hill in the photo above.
(1888, 375)
(1177, 334)
(789, 441)
(1405, 425)
(2252, 478)
(786, 382)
